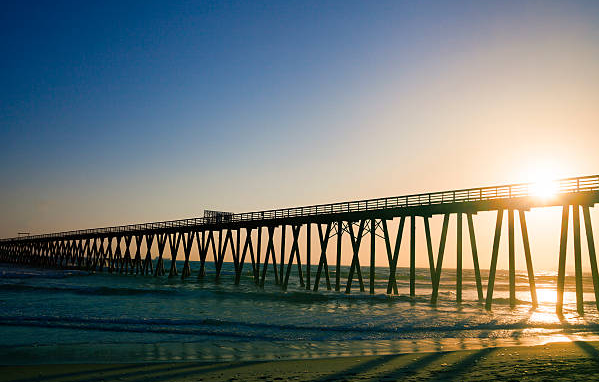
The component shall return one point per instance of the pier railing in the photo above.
(558, 187)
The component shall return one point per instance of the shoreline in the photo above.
(576, 360)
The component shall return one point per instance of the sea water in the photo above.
(63, 316)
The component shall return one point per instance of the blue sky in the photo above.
(117, 112)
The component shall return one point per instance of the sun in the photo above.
(544, 188)
(542, 183)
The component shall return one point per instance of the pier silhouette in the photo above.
(119, 248)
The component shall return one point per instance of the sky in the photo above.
(123, 112)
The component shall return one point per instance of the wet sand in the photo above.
(567, 361)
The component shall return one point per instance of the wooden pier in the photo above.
(240, 235)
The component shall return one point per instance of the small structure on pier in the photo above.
(215, 217)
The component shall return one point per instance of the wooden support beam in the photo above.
(38, 259)
(97, 248)
(117, 259)
(443, 240)
(137, 259)
(174, 239)
(202, 243)
(282, 262)
(127, 257)
(412, 256)
(223, 250)
(511, 258)
(294, 252)
(72, 252)
(338, 264)
(429, 248)
(79, 252)
(258, 253)
(87, 252)
(393, 257)
(106, 253)
(372, 254)
(322, 263)
(577, 259)
(58, 247)
(57, 253)
(148, 267)
(270, 253)
(308, 253)
(298, 260)
(253, 259)
(274, 257)
(160, 263)
(479, 285)
(355, 264)
(37, 253)
(64, 253)
(187, 245)
(528, 257)
(592, 253)
(494, 256)
(561, 268)
(47, 255)
(218, 254)
(90, 257)
(44, 255)
(211, 244)
(236, 250)
(458, 271)
(247, 245)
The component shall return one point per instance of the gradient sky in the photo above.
(123, 112)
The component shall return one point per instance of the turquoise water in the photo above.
(73, 316)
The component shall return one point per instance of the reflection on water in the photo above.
(547, 296)
(57, 316)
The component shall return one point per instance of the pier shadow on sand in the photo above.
(437, 366)
(380, 368)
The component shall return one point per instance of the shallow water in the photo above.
(72, 316)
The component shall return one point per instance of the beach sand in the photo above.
(566, 361)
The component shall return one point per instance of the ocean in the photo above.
(71, 316)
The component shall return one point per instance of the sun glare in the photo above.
(545, 296)
(545, 189)
(542, 183)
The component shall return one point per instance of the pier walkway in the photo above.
(240, 235)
